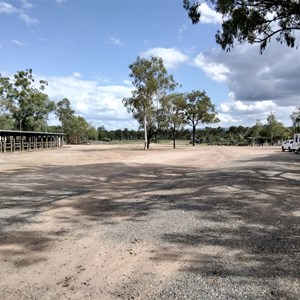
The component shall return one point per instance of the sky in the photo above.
(83, 49)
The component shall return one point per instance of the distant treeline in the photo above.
(234, 135)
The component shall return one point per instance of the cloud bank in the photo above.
(99, 104)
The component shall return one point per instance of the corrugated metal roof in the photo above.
(18, 132)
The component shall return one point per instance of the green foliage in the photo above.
(151, 82)
(25, 103)
(274, 129)
(173, 108)
(7, 122)
(64, 111)
(76, 128)
(199, 109)
(254, 21)
(295, 117)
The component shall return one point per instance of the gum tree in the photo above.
(174, 105)
(295, 117)
(26, 101)
(252, 21)
(151, 82)
(199, 110)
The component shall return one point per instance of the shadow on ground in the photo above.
(243, 219)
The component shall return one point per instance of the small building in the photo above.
(11, 141)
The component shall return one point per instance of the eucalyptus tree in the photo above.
(6, 122)
(255, 132)
(151, 82)
(199, 109)
(174, 105)
(64, 111)
(295, 117)
(28, 105)
(253, 21)
(76, 128)
(274, 129)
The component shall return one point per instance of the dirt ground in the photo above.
(118, 222)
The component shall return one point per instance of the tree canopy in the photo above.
(174, 105)
(253, 21)
(75, 127)
(295, 117)
(151, 82)
(274, 129)
(27, 104)
(199, 109)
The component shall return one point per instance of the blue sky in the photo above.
(83, 49)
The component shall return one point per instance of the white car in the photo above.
(287, 145)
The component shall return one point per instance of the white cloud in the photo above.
(26, 4)
(76, 75)
(26, 18)
(248, 113)
(127, 82)
(171, 56)
(7, 8)
(114, 41)
(208, 15)
(250, 76)
(100, 104)
(217, 71)
(18, 43)
(181, 30)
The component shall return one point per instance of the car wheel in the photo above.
(282, 148)
(290, 150)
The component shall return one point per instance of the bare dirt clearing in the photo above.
(117, 222)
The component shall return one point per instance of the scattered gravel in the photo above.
(137, 230)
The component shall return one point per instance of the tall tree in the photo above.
(28, 105)
(102, 133)
(295, 117)
(255, 132)
(254, 21)
(274, 129)
(76, 128)
(151, 82)
(174, 105)
(64, 111)
(6, 122)
(199, 109)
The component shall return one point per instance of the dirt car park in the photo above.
(118, 222)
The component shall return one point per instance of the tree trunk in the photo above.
(174, 138)
(194, 132)
(146, 145)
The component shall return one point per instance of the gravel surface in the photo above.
(106, 222)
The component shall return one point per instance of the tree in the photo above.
(7, 122)
(295, 117)
(274, 129)
(64, 111)
(255, 132)
(76, 128)
(151, 82)
(174, 105)
(199, 109)
(102, 133)
(254, 21)
(27, 105)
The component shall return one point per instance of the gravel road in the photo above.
(112, 222)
